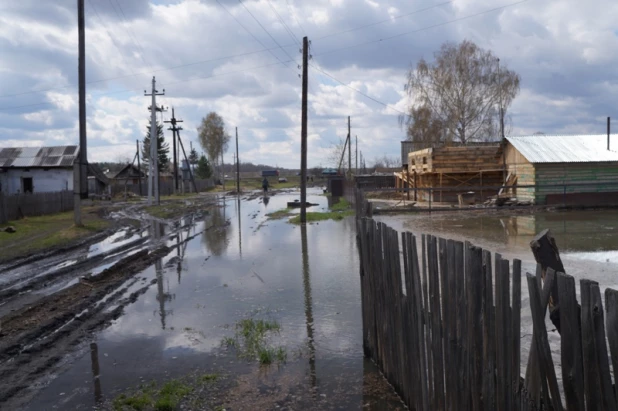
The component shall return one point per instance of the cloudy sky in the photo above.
(241, 58)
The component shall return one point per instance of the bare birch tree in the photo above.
(213, 137)
(463, 90)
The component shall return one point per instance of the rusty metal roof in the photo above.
(590, 148)
(46, 157)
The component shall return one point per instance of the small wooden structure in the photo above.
(440, 174)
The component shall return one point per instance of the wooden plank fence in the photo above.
(16, 206)
(443, 324)
(166, 188)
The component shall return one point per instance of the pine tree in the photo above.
(163, 148)
(203, 168)
(193, 157)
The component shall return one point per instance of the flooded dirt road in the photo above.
(208, 273)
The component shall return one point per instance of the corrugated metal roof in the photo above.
(47, 157)
(566, 149)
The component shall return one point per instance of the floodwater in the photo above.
(587, 240)
(237, 265)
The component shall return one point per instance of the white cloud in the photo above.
(566, 65)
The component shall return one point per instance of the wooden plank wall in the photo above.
(602, 176)
(517, 165)
(443, 324)
(16, 206)
(456, 159)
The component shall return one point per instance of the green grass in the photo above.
(250, 341)
(167, 398)
(317, 216)
(209, 377)
(342, 205)
(167, 210)
(35, 234)
(286, 212)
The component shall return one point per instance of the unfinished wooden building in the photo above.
(441, 174)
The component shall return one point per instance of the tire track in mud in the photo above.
(36, 338)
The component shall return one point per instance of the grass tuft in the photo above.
(317, 216)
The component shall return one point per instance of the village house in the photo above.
(128, 175)
(37, 169)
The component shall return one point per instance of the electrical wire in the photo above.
(285, 26)
(248, 31)
(293, 15)
(386, 20)
(141, 89)
(356, 90)
(264, 28)
(130, 32)
(424, 28)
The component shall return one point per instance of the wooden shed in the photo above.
(572, 170)
(453, 170)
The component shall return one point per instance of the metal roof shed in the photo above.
(574, 169)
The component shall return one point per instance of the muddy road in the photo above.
(158, 300)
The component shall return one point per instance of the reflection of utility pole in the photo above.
(356, 155)
(239, 230)
(349, 150)
(94, 358)
(238, 166)
(308, 305)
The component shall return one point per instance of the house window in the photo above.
(26, 185)
(424, 160)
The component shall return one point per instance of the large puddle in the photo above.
(237, 265)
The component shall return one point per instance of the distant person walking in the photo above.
(265, 184)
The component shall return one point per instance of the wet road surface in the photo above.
(235, 265)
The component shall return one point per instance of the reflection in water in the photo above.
(308, 305)
(266, 199)
(239, 226)
(158, 230)
(215, 236)
(94, 358)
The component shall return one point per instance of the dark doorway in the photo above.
(27, 184)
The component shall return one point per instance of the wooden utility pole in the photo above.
(186, 159)
(153, 163)
(349, 151)
(237, 165)
(80, 167)
(173, 122)
(139, 168)
(303, 136)
(356, 155)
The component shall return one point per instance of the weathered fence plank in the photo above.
(611, 305)
(571, 344)
(538, 318)
(489, 345)
(515, 336)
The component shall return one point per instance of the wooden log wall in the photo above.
(442, 320)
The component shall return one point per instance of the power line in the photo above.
(294, 16)
(424, 28)
(257, 52)
(285, 26)
(358, 91)
(264, 28)
(130, 32)
(248, 31)
(141, 89)
(111, 37)
(386, 20)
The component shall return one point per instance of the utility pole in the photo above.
(349, 151)
(356, 155)
(186, 159)
(139, 168)
(303, 136)
(80, 170)
(173, 121)
(237, 166)
(174, 129)
(153, 169)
